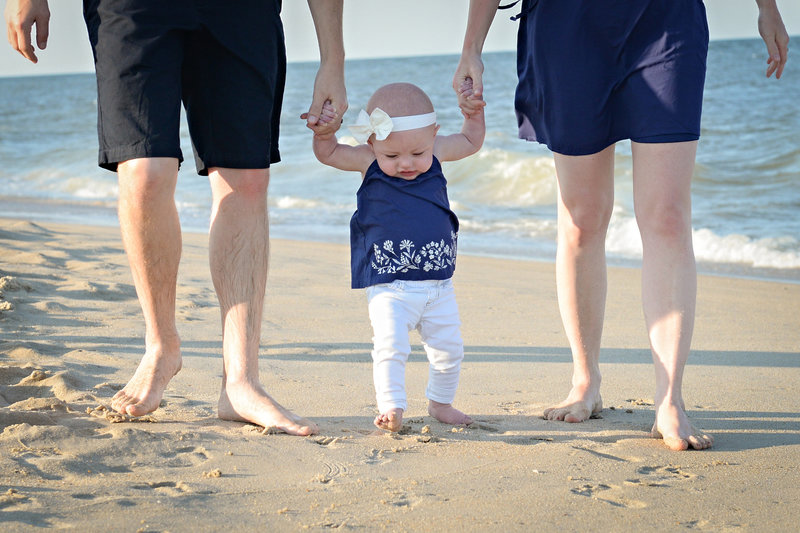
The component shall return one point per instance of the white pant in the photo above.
(394, 310)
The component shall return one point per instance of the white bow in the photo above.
(378, 122)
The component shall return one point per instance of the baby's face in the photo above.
(406, 154)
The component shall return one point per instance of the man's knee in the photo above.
(249, 183)
(147, 179)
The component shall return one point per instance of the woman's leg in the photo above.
(585, 201)
(662, 175)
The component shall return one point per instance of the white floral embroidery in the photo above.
(432, 256)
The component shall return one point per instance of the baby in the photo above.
(403, 241)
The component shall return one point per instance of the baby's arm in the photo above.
(342, 156)
(470, 140)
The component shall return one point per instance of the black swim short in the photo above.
(225, 61)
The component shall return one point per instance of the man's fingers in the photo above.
(314, 112)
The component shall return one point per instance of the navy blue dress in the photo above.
(593, 72)
(402, 229)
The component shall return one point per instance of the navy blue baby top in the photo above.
(402, 229)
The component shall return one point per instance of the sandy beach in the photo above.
(71, 335)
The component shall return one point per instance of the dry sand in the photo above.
(71, 335)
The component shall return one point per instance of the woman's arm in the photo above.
(479, 20)
(772, 30)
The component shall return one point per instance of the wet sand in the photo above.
(71, 335)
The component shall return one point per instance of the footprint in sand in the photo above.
(513, 408)
(666, 472)
(89, 290)
(610, 494)
(323, 440)
(376, 457)
(33, 388)
(185, 456)
(170, 488)
(397, 498)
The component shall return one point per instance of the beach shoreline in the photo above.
(103, 214)
(71, 336)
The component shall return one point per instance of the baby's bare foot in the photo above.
(247, 402)
(143, 392)
(673, 426)
(580, 405)
(391, 420)
(447, 414)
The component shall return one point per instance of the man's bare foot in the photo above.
(447, 414)
(143, 392)
(391, 420)
(580, 405)
(673, 426)
(247, 402)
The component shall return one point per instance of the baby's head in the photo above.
(400, 100)
(407, 150)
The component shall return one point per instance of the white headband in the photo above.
(381, 124)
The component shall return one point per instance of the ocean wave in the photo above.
(623, 240)
(776, 252)
(529, 228)
(293, 202)
(91, 189)
(503, 177)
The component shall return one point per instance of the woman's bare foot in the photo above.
(145, 389)
(673, 426)
(447, 414)
(247, 402)
(580, 405)
(391, 420)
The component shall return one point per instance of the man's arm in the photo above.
(20, 16)
(329, 84)
(772, 30)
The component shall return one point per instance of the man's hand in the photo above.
(21, 15)
(326, 124)
(329, 102)
(329, 83)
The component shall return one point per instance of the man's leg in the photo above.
(238, 254)
(585, 201)
(151, 235)
(662, 175)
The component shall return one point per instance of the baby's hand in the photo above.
(468, 101)
(327, 124)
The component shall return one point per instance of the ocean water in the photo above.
(746, 188)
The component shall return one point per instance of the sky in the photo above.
(372, 28)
